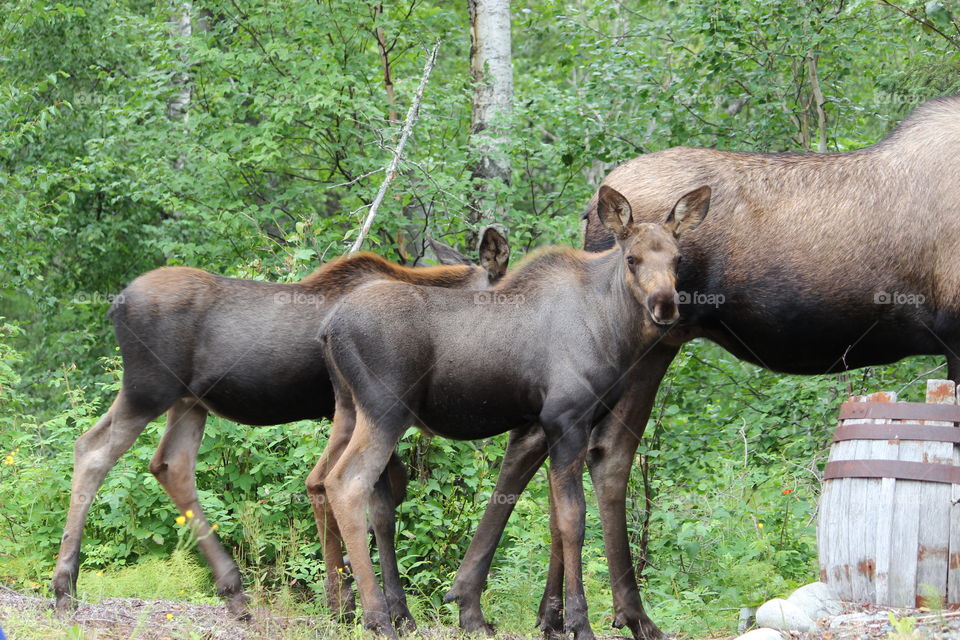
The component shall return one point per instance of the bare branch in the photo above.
(922, 22)
(398, 152)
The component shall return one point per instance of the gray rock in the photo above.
(783, 615)
(748, 617)
(762, 634)
(816, 600)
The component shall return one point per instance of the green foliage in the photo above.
(176, 577)
(903, 628)
(269, 176)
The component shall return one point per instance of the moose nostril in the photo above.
(662, 306)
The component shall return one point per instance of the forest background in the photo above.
(249, 139)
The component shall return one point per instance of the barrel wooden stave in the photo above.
(881, 539)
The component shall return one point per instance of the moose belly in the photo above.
(261, 400)
(479, 410)
(810, 339)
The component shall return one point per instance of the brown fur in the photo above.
(341, 275)
(193, 343)
(834, 227)
(798, 244)
(468, 366)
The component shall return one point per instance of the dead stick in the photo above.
(397, 153)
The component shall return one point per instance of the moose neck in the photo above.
(618, 309)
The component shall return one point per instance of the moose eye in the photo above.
(631, 260)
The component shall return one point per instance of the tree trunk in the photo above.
(818, 102)
(384, 49)
(178, 109)
(491, 68)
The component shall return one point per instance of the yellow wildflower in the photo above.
(189, 514)
(169, 616)
(181, 520)
(215, 526)
(8, 460)
(759, 525)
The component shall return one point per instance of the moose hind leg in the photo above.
(349, 486)
(174, 465)
(383, 519)
(95, 453)
(339, 591)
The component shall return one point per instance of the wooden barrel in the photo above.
(888, 529)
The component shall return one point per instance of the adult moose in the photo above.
(825, 262)
(548, 346)
(194, 343)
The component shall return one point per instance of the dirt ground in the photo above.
(28, 618)
(868, 622)
(116, 618)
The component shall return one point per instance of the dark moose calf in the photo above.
(551, 346)
(194, 343)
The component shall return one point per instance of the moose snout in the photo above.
(662, 305)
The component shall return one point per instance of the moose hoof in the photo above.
(343, 605)
(473, 624)
(380, 624)
(471, 621)
(341, 601)
(550, 621)
(580, 629)
(404, 622)
(66, 605)
(641, 627)
(237, 607)
(650, 631)
(471, 615)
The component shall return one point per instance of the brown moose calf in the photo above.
(550, 345)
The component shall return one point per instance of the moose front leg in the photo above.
(613, 444)
(526, 452)
(568, 437)
(550, 613)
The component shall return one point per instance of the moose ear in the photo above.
(689, 211)
(494, 251)
(614, 211)
(447, 254)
